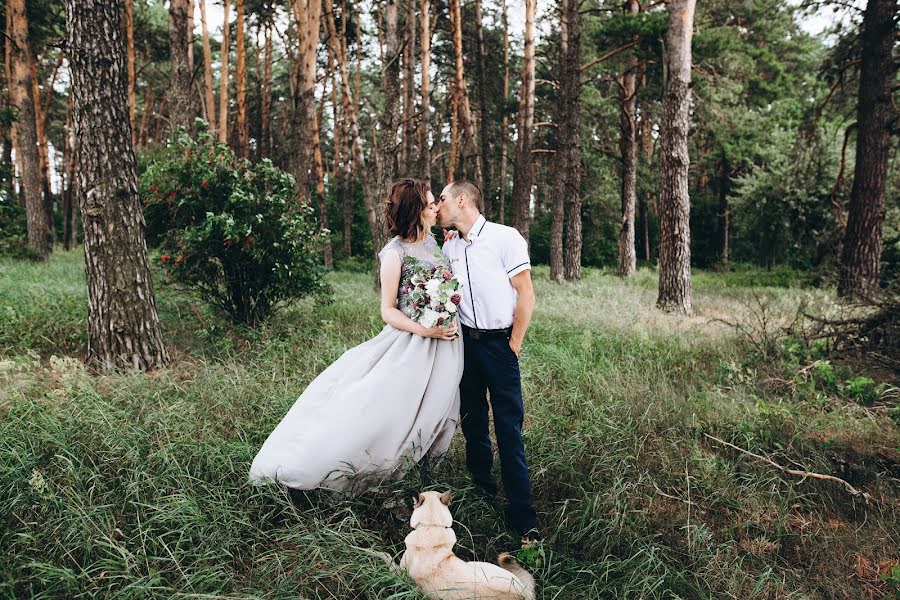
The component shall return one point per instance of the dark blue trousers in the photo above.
(491, 365)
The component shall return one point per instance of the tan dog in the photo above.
(430, 561)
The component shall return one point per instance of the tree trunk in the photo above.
(123, 326)
(349, 110)
(387, 143)
(425, 124)
(207, 70)
(20, 87)
(146, 115)
(223, 80)
(647, 153)
(307, 14)
(129, 45)
(522, 178)
(558, 199)
(181, 97)
(408, 150)
(570, 139)
(327, 252)
(460, 96)
(265, 141)
(483, 118)
(504, 127)
(40, 129)
(242, 134)
(861, 256)
(628, 150)
(69, 236)
(674, 202)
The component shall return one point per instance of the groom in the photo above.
(491, 261)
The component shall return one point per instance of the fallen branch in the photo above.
(796, 472)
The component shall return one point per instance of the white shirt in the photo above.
(484, 264)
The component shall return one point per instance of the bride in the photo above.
(386, 403)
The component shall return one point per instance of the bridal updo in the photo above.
(406, 201)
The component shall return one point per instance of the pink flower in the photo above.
(456, 299)
(440, 321)
(448, 275)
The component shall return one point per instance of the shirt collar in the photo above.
(477, 228)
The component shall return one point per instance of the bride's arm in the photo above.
(393, 316)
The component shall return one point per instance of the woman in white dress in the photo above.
(386, 403)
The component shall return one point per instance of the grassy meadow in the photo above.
(135, 486)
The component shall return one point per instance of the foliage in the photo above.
(230, 228)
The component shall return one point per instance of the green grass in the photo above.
(130, 485)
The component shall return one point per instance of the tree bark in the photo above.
(207, 70)
(645, 198)
(20, 88)
(628, 150)
(387, 142)
(223, 80)
(522, 178)
(504, 127)
(408, 151)
(129, 45)
(483, 117)
(569, 161)
(241, 141)
(425, 123)
(69, 235)
(265, 141)
(307, 15)
(861, 256)
(123, 326)
(724, 188)
(327, 252)
(181, 98)
(674, 202)
(40, 128)
(461, 106)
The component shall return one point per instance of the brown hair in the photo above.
(470, 189)
(406, 200)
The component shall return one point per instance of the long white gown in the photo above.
(380, 407)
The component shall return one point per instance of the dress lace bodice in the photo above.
(423, 251)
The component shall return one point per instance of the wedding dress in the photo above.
(379, 408)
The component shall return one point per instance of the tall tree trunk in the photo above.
(123, 326)
(146, 115)
(223, 79)
(861, 256)
(557, 215)
(408, 151)
(328, 255)
(647, 153)
(349, 111)
(483, 116)
(522, 178)
(207, 70)
(240, 96)
(69, 237)
(181, 98)
(504, 127)
(40, 129)
(425, 123)
(570, 139)
(387, 143)
(129, 45)
(460, 96)
(674, 202)
(265, 141)
(628, 150)
(307, 14)
(20, 87)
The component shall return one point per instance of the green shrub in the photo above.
(863, 390)
(231, 229)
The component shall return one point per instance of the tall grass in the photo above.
(131, 485)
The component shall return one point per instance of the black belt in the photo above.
(481, 334)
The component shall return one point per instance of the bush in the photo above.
(231, 229)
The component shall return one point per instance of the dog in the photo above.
(430, 561)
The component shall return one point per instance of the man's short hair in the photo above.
(470, 189)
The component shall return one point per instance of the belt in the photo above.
(482, 334)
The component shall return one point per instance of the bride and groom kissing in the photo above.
(397, 398)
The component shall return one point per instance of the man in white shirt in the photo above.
(491, 261)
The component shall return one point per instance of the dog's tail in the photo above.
(508, 562)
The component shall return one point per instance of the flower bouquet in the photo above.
(432, 293)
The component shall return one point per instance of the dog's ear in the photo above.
(418, 500)
(446, 497)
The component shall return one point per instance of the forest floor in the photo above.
(132, 485)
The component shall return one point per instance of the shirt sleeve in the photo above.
(515, 254)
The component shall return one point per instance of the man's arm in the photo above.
(524, 307)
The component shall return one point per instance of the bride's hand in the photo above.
(440, 333)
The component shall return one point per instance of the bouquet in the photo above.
(432, 293)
